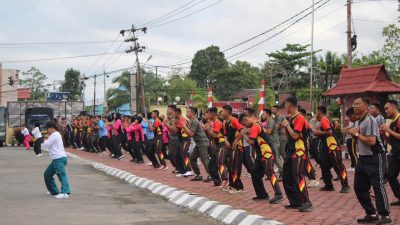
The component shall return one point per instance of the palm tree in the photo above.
(120, 95)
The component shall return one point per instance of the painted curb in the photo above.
(221, 212)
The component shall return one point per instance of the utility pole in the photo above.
(134, 81)
(312, 56)
(156, 85)
(349, 46)
(105, 97)
(94, 96)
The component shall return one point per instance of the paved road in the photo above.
(96, 198)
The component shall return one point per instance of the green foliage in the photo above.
(180, 85)
(291, 56)
(34, 80)
(304, 94)
(391, 49)
(73, 84)
(205, 64)
(375, 57)
(120, 95)
(269, 99)
(241, 75)
(334, 109)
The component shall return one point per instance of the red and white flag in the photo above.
(210, 98)
(190, 103)
(261, 103)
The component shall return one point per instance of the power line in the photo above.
(57, 58)
(167, 14)
(22, 44)
(187, 15)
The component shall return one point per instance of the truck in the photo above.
(28, 113)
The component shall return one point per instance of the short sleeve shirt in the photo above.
(199, 137)
(279, 120)
(368, 127)
(274, 133)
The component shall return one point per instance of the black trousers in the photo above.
(37, 146)
(314, 150)
(393, 173)
(294, 181)
(248, 159)
(333, 159)
(235, 169)
(158, 149)
(103, 143)
(78, 140)
(369, 172)
(351, 148)
(131, 144)
(151, 152)
(261, 168)
(223, 163)
(173, 149)
(116, 145)
(184, 156)
(137, 149)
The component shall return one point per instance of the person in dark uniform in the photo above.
(264, 162)
(393, 131)
(369, 169)
(293, 176)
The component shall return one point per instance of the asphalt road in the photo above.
(96, 198)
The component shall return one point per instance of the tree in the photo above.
(119, 95)
(375, 57)
(205, 64)
(153, 86)
(179, 85)
(391, 49)
(241, 75)
(34, 80)
(73, 84)
(285, 65)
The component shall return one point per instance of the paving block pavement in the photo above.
(329, 207)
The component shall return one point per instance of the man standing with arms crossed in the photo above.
(369, 169)
(294, 180)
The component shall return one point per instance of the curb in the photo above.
(221, 212)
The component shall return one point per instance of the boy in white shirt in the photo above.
(54, 144)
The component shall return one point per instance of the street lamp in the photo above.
(177, 99)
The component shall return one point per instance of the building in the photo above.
(8, 92)
(371, 82)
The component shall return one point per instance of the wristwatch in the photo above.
(357, 134)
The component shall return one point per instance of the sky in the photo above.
(93, 28)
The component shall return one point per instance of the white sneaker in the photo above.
(121, 157)
(61, 196)
(165, 168)
(189, 173)
(82, 149)
(351, 169)
(313, 184)
(38, 155)
(150, 164)
(276, 170)
(180, 175)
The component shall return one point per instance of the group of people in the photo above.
(223, 142)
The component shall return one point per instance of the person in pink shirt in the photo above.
(108, 127)
(138, 140)
(116, 136)
(130, 138)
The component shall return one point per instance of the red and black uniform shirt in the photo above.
(261, 142)
(327, 141)
(231, 128)
(157, 127)
(394, 142)
(296, 147)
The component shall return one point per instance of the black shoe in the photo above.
(175, 171)
(396, 203)
(260, 198)
(325, 188)
(368, 219)
(197, 178)
(139, 162)
(292, 206)
(336, 178)
(385, 220)
(276, 199)
(279, 178)
(209, 179)
(306, 207)
(345, 189)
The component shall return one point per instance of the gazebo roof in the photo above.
(367, 79)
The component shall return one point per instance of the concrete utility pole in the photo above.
(312, 57)
(94, 96)
(349, 46)
(135, 80)
(105, 94)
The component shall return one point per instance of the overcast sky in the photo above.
(224, 24)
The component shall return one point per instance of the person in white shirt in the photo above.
(38, 140)
(27, 137)
(54, 145)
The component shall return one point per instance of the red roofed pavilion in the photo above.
(371, 82)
